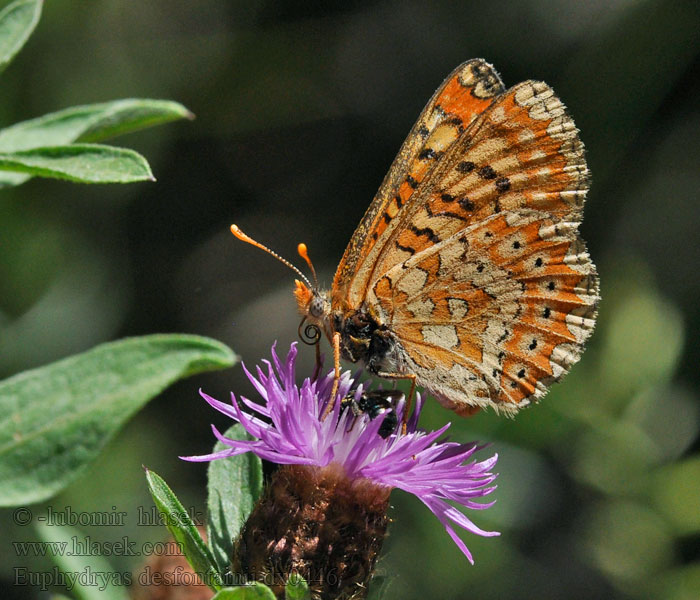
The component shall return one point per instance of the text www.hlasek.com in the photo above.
(90, 547)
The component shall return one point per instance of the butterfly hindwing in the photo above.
(494, 314)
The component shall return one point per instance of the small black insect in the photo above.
(375, 404)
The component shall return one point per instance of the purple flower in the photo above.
(290, 431)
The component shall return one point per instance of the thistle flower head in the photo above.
(289, 430)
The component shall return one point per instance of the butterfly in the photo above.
(467, 274)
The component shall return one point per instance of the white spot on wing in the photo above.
(421, 309)
(526, 136)
(458, 308)
(443, 336)
(413, 281)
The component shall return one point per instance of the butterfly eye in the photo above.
(316, 306)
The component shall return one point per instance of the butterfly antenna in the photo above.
(235, 230)
(304, 253)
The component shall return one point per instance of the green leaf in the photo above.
(184, 531)
(90, 123)
(54, 420)
(253, 591)
(109, 585)
(297, 588)
(17, 21)
(82, 163)
(234, 486)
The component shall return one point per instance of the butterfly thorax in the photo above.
(363, 338)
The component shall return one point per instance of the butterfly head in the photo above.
(313, 303)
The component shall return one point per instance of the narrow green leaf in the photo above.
(253, 591)
(111, 584)
(184, 531)
(82, 163)
(54, 420)
(297, 588)
(234, 486)
(90, 123)
(17, 21)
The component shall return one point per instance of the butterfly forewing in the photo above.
(523, 151)
(465, 94)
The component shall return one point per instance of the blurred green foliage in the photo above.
(301, 108)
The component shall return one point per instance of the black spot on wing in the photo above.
(444, 213)
(502, 184)
(466, 166)
(487, 172)
(427, 232)
(405, 248)
(466, 203)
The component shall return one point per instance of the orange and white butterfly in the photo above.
(467, 274)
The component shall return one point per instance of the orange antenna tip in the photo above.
(235, 230)
(304, 253)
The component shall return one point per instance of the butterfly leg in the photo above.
(336, 375)
(317, 368)
(409, 399)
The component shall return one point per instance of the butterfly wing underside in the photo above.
(470, 252)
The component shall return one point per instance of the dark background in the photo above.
(301, 107)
